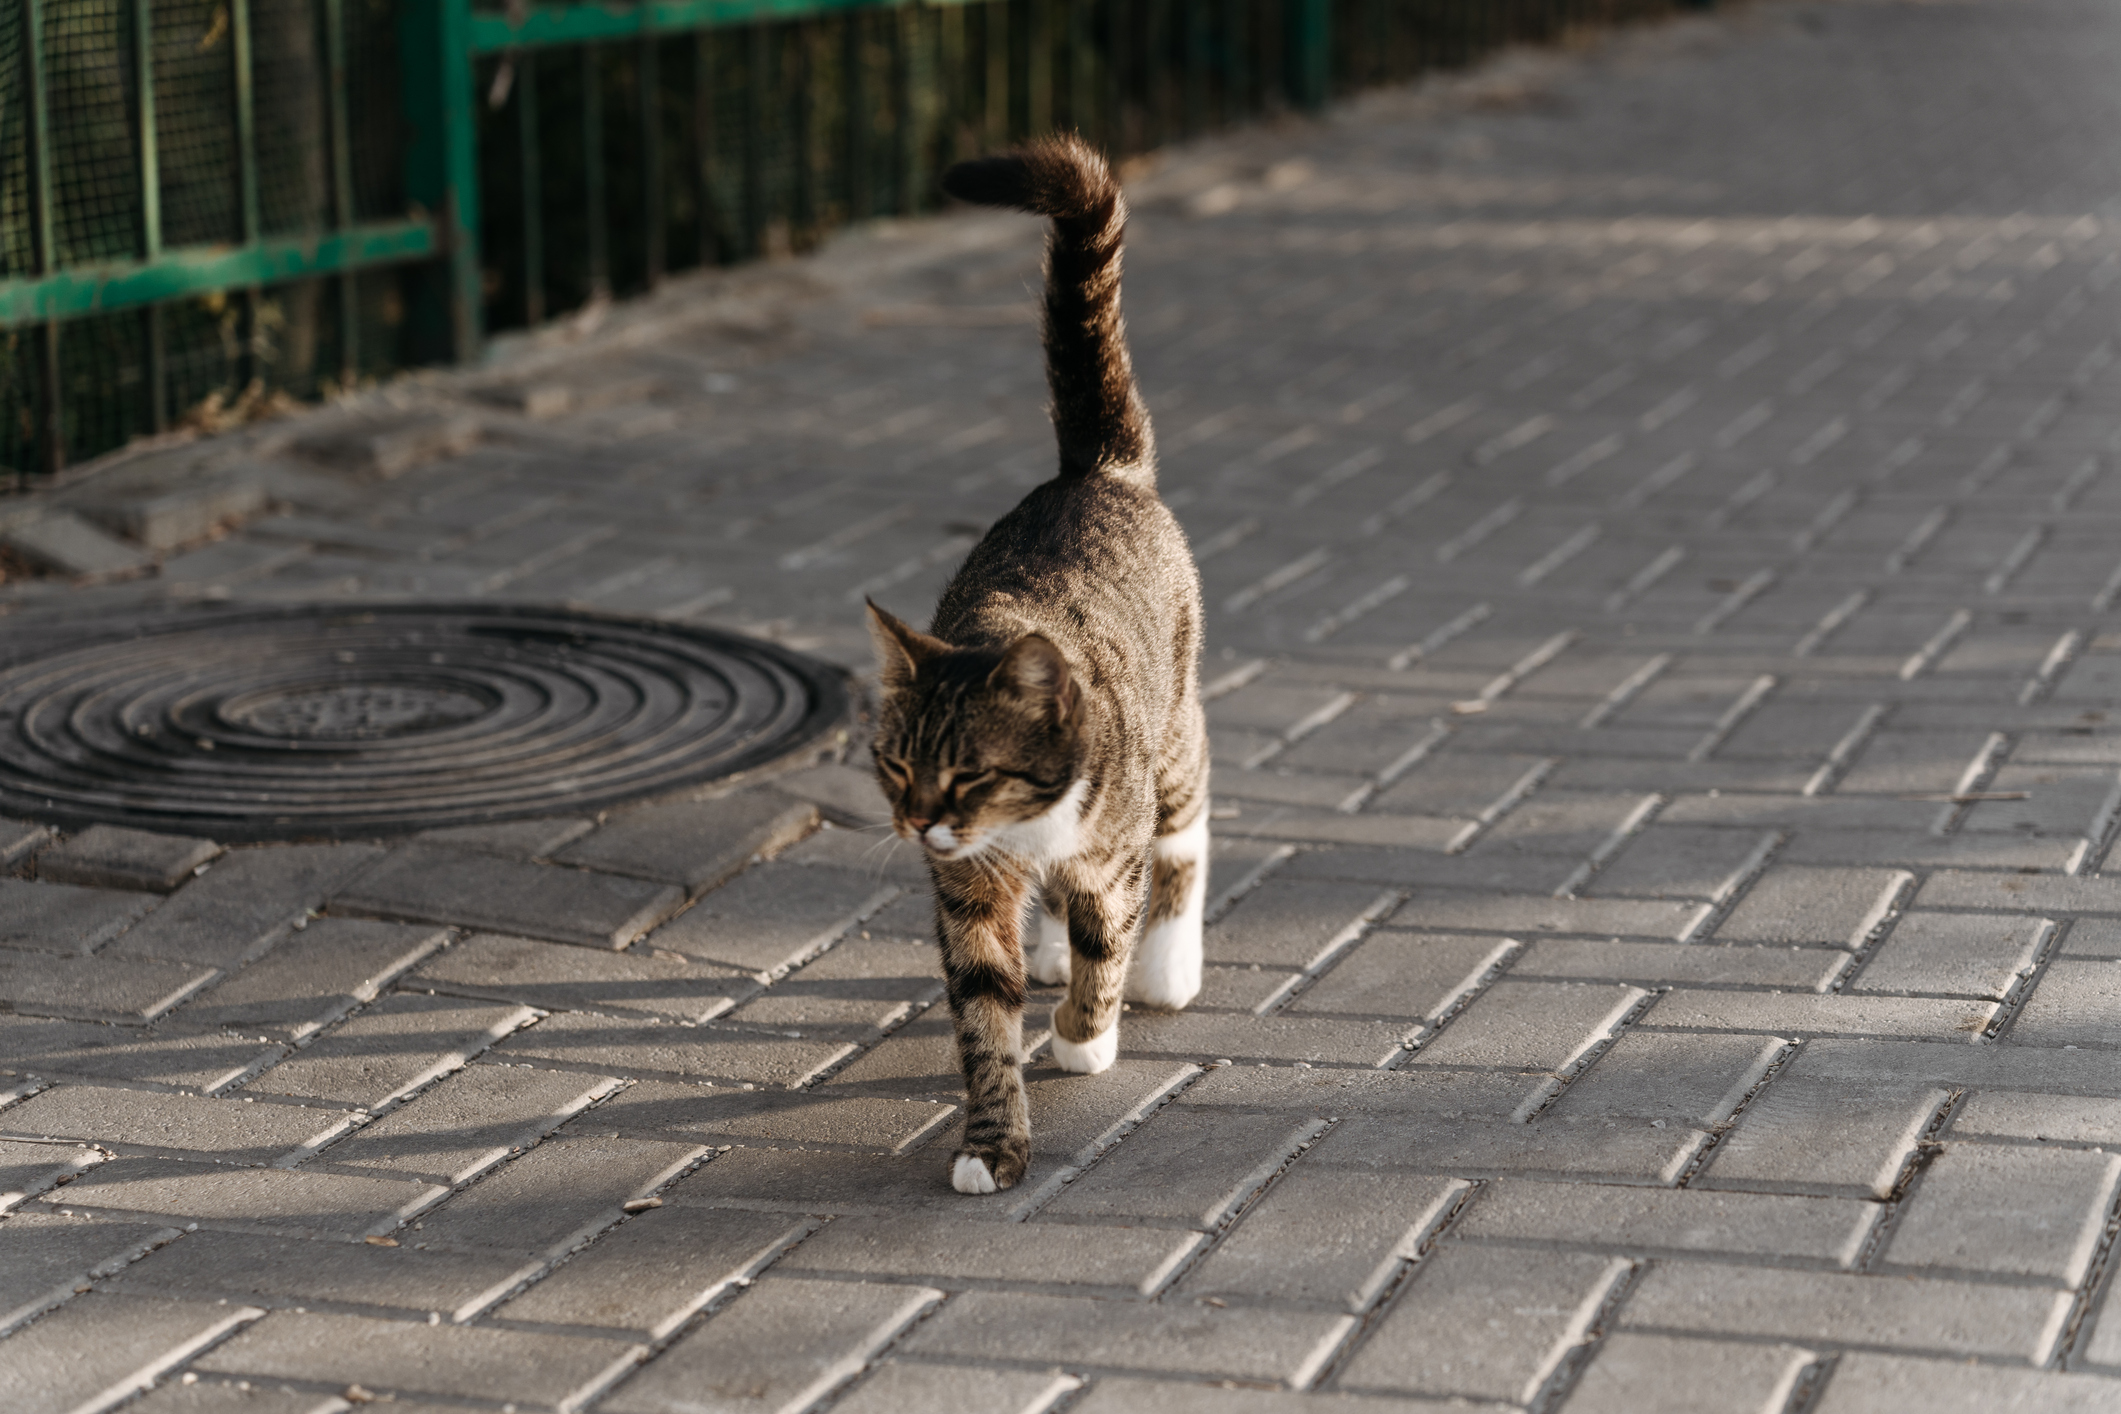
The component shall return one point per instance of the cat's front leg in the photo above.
(977, 916)
(1103, 915)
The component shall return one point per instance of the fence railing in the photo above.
(183, 182)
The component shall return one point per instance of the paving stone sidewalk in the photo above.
(1661, 525)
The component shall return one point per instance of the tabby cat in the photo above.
(1044, 740)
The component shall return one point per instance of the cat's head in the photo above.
(972, 741)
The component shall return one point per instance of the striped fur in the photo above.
(1044, 742)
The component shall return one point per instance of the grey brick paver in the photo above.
(1644, 1220)
(28, 1168)
(725, 1052)
(769, 918)
(542, 1371)
(1113, 1395)
(325, 1204)
(885, 1124)
(2017, 1212)
(2077, 1003)
(107, 856)
(1484, 1323)
(1574, 959)
(1907, 1313)
(1839, 1014)
(43, 1257)
(92, 1353)
(1190, 1169)
(555, 976)
(273, 1270)
(1330, 1238)
(777, 1349)
(1864, 1381)
(1807, 904)
(243, 901)
(429, 885)
(896, 1385)
(469, 1122)
(99, 988)
(697, 844)
(35, 1046)
(1642, 1151)
(2012, 1114)
(651, 1274)
(1394, 973)
(1688, 1079)
(1964, 954)
(1109, 1259)
(217, 1396)
(390, 1049)
(228, 1131)
(1648, 1374)
(1530, 1024)
(1296, 925)
(316, 975)
(1078, 1332)
(1811, 1136)
(558, 1194)
(64, 918)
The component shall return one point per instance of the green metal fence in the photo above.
(208, 201)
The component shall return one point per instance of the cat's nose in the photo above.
(919, 823)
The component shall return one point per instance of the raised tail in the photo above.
(1097, 412)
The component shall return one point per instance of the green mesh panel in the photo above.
(750, 140)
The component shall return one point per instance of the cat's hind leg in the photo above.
(1166, 971)
(1046, 953)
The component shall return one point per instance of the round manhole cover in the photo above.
(279, 724)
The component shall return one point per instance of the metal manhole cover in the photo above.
(278, 724)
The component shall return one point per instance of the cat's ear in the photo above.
(900, 647)
(1033, 669)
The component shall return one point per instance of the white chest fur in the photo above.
(1045, 839)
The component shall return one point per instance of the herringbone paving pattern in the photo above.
(1659, 513)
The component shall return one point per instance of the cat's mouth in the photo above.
(943, 842)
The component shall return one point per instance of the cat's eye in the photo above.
(965, 781)
(901, 776)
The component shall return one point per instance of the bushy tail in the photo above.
(1097, 413)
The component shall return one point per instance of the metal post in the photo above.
(855, 63)
(905, 115)
(804, 35)
(244, 62)
(1310, 54)
(441, 165)
(533, 174)
(703, 144)
(647, 79)
(150, 209)
(755, 119)
(1038, 66)
(341, 186)
(1237, 71)
(40, 156)
(1082, 100)
(593, 174)
(996, 33)
(1117, 13)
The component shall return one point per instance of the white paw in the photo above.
(1048, 962)
(1166, 970)
(970, 1175)
(1087, 1057)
